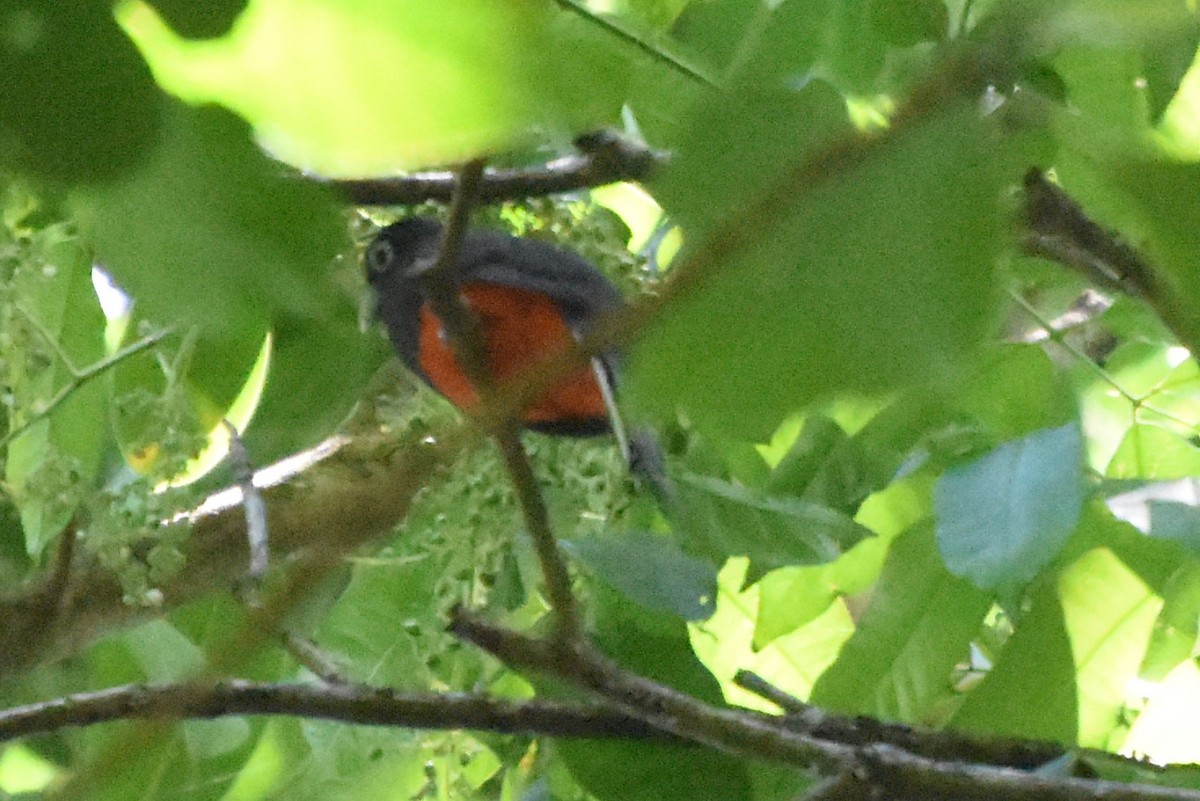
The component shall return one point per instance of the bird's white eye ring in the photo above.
(379, 256)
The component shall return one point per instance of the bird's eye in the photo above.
(379, 256)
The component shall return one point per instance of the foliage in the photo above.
(922, 474)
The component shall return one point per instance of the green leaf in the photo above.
(1154, 452)
(1037, 664)
(652, 571)
(863, 272)
(390, 85)
(1165, 728)
(1109, 614)
(1003, 517)
(1015, 390)
(383, 618)
(79, 102)
(792, 661)
(200, 20)
(723, 519)
(193, 238)
(919, 624)
(793, 597)
(809, 454)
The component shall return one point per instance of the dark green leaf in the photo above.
(206, 20)
(192, 238)
(724, 519)
(79, 101)
(652, 571)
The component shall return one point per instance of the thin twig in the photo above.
(742, 733)
(756, 684)
(441, 284)
(315, 660)
(533, 508)
(1059, 229)
(1056, 336)
(257, 535)
(81, 377)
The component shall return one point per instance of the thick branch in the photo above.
(606, 159)
(1058, 229)
(885, 770)
(345, 703)
(342, 502)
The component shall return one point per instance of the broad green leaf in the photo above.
(200, 20)
(652, 571)
(792, 597)
(1174, 637)
(1014, 390)
(384, 620)
(796, 471)
(904, 23)
(1030, 690)
(373, 86)
(365, 764)
(919, 624)
(1003, 517)
(611, 770)
(859, 268)
(713, 32)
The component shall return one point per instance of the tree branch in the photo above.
(352, 495)
(357, 704)
(1058, 229)
(607, 158)
(886, 770)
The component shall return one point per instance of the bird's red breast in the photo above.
(520, 328)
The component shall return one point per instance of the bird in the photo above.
(531, 300)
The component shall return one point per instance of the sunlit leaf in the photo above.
(367, 87)
(918, 625)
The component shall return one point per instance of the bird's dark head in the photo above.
(402, 251)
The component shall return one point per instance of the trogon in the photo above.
(531, 300)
